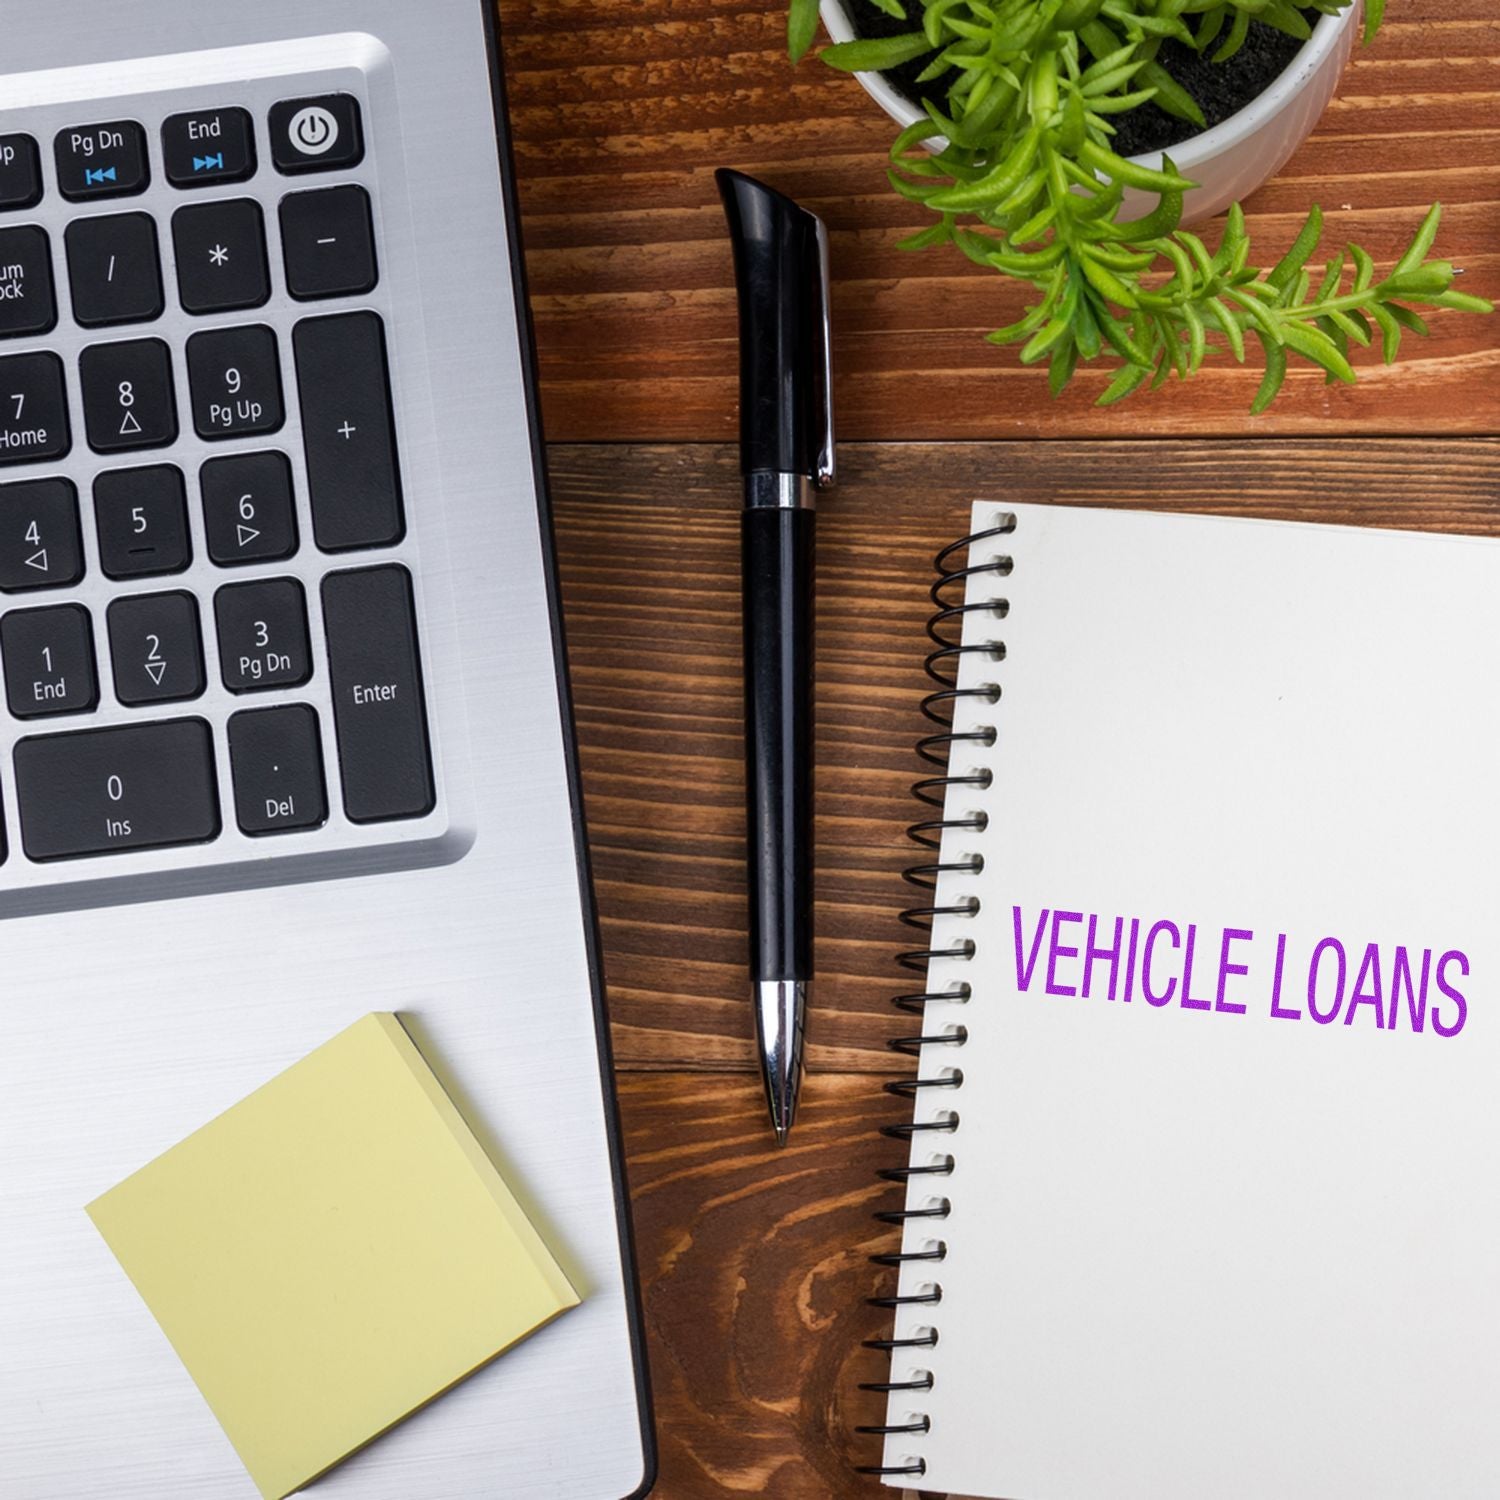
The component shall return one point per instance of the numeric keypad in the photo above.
(92, 654)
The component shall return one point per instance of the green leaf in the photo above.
(1230, 325)
(1314, 344)
(996, 184)
(1106, 283)
(1108, 62)
(1074, 129)
(1064, 362)
(1118, 336)
(1233, 42)
(1044, 342)
(1364, 268)
(1275, 376)
(1124, 384)
(939, 234)
(1132, 174)
(1408, 319)
(801, 27)
(875, 54)
(1027, 265)
(1197, 337)
(1086, 332)
(1350, 325)
(1234, 239)
(1199, 252)
(978, 247)
(1160, 222)
(1285, 273)
(1333, 275)
(1461, 302)
(1390, 330)
(1034, 227)
(1171, 96)
(1285, 16)
(1374, 15)
(1423, 241)
(913, 136)
(893, 8)
(1035, 316)
(1208, 32)
(1426, 281)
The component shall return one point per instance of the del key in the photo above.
(377, 695)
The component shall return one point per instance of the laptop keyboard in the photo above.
(211, 507)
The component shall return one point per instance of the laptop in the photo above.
(284, 729)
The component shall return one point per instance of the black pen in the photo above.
(786, 454)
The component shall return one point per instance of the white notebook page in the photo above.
(1198, 1250)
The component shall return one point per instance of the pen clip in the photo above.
(827, 467)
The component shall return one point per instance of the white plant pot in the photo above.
(1233, 158)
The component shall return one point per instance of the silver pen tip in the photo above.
(780, 1009)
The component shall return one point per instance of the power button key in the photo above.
(319, 134)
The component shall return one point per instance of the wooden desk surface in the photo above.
(752, 1259)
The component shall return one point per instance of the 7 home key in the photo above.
(130, 785)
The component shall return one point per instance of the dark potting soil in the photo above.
(1221, 89)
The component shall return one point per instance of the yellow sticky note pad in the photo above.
(331, 1253)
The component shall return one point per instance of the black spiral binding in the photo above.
(945, 630)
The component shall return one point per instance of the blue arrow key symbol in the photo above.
(209, 163)
(96, 175)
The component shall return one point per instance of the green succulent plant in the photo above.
(1026, 183)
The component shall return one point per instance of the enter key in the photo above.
(379, 711)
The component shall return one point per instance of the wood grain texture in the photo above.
(648, 542)
(622, 109)
(754, 1269)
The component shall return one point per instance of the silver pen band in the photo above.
(766, 491)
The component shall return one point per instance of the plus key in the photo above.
(354, 479)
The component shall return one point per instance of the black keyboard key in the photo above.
(142, 520)
(208, 145)
(317, 134)
(33, 409)
(102, 161)
(248, 511)
(379, 711)
(27, 301)
(276, 756)
(235, 376)
(157, 649)
(263, 635)
(129, 399)
(328, 240)
(108, 791)
(20, 172)
(49, 661)
(221, 256)
(114, 268)
(40, 543)
(354, 479)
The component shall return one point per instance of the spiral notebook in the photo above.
(1205, 1155)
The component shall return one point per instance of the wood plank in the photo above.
(648, 543)
(754, 1270)
(623, 108)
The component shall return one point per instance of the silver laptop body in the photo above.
(184, 912)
